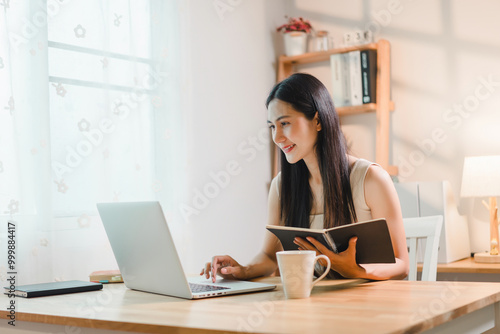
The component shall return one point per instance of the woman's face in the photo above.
(292, 132)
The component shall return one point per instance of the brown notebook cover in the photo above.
(373, 246)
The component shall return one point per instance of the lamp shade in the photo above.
(481, 177)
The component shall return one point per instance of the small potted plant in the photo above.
(295, 35)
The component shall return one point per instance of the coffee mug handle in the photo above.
(322, 256)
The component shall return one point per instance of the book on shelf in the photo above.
(354, 77)
(341, 91)
(369, 75)
(346, 79)
(373, 246)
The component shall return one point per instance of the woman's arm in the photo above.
(383, 201)
(265, 262)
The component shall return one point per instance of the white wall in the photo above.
(440, 52)
(232, 69)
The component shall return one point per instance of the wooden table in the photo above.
(467, 270)
(334, 307)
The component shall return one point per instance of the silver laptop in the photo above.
(147, 258)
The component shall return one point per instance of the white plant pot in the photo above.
(295, 43)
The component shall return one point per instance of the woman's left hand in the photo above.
(344, 263)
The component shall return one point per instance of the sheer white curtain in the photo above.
(89, 112)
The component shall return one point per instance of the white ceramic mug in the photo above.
(297, 269)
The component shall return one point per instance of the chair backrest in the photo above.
(430, 198)
(428, 228)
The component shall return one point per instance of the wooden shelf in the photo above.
(392, 170)
(362, 109)
(314, 57)
(381, 108)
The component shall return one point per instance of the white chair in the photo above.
(431, 198)
(428, 228)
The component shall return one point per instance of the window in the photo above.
(102, 87)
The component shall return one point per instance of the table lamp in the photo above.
(481, 178)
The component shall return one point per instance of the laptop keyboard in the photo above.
(205, 288)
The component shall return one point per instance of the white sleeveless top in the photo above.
(363, 212)
(357, 180)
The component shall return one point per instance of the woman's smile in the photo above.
(289, 148)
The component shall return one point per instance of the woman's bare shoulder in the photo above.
(377, 176)
(277, 178)
(378, 184)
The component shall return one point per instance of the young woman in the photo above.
(319, 186)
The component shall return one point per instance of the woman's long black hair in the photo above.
(308, 95)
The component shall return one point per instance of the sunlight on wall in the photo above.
(445, 85)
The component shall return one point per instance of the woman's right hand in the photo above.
(224, 266)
